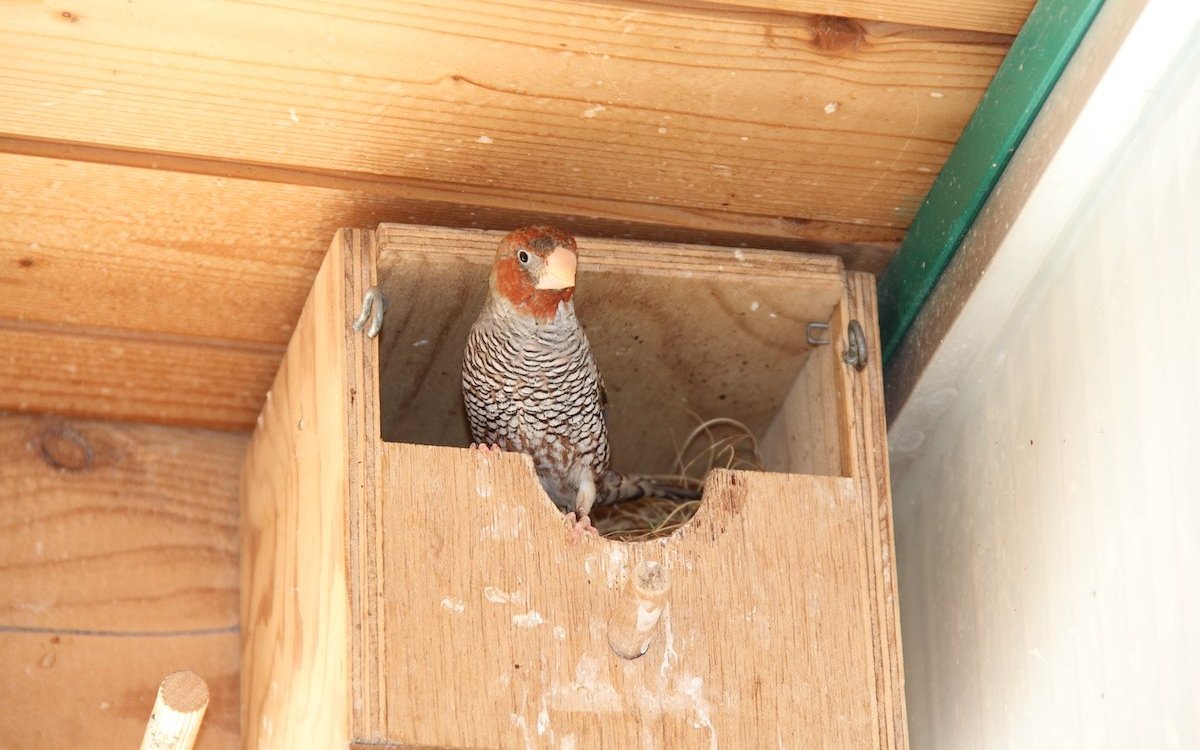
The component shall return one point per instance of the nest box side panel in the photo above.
(498, 627)
(304, 470)
(865, 420)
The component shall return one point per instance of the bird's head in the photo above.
(535, 269)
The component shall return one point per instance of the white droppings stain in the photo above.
(662, 131)
(588, 692)
(647, 617)
(745, 138)
(507, 521)
(530, 619)
(670, 655)
(519, 722)
(543, 722)
(937, 94)
(454, 605)
(832, 107)
(772, 315)
(420, 343)
(754, 306)
(293, 116)
(105, 705)
(616, 566)
(560, 632)
(1035, 653)
(484, 139)
(593, 111)
(739, 254)
(693, 688)
(722, 170)
(497, 596)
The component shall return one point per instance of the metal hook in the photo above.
(813, 340)
(856, 346)
(373, 301)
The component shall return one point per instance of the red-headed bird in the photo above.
(531, 386)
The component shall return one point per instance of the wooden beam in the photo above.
(670, 108)
(996, 16)
(118, 553)
(115, 375)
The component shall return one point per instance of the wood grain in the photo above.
(997, 16)
(766, 634)
(679, 107)
(681, 334)
(118, 565)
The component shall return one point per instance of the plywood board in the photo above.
(681, 334)
(765, 639)
(302, 488)
(684, 107)
(118, 545)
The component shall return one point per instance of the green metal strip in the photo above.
(1028, 73)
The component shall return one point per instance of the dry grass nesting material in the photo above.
(720, 443)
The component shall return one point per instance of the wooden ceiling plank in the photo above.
(686, 108)
(87, 374)
(995, 16)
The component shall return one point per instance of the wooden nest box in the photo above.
(400, 590)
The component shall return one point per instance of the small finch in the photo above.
(530, 384)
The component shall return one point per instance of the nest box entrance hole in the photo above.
(682, 334)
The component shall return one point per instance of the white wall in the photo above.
(1048, 519)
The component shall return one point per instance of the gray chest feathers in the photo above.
(534, 388)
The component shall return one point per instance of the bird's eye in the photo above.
(523, 256)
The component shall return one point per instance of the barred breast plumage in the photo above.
(530, 383)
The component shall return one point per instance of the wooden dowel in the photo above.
(178, 711)
(632, 626)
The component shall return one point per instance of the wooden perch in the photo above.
(632, 626)
(178, 711)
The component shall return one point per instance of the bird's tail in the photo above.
(620, 488)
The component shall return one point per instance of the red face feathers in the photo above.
(535, 269)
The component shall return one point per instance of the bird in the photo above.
(530, 383)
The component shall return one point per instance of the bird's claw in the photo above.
(485, 448)
(578, 526)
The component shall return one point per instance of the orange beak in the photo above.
(559, 272)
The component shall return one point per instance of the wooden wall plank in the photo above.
(678, 107)
(117, 527)
(996, 16)
(118, 565)
(95, 693)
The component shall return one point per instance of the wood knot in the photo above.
(65, 449)
(837, 33)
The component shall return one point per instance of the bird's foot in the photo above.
(493, 448)
(579, 525)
